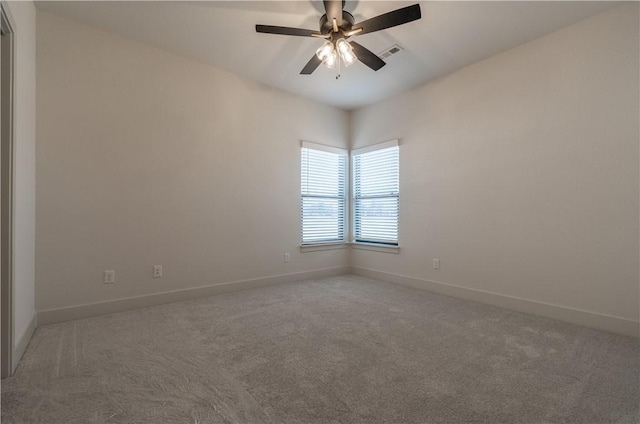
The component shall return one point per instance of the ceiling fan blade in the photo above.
(390, 19)
(367, 57)
(270, 29)
(334, 10)
(311, 66)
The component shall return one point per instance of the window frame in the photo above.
(364, 244)
(327, 244)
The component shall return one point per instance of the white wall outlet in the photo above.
(436, 264)
(157, 271)
(109, 277)
(287, 258)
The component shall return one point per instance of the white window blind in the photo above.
(376, 187)
(324, 194)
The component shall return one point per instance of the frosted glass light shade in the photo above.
(327, 54)
(346, 52)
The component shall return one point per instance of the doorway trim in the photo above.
(7, 152)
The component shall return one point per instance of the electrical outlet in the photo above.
(157, 271)
(109, 277)
(436, 264)
(287, 258)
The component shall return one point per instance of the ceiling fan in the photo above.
(337, 26)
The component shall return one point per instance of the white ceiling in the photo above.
(449, 36)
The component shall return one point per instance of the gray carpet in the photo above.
(338, 350)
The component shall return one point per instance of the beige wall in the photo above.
(520, 172)
(24, 17)
(145, 158)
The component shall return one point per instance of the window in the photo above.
(324, 194)
(376, 186)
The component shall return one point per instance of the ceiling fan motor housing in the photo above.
(326, 27)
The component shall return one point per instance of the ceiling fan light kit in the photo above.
(337, 26)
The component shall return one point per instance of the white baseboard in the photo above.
(22, 342)
(53, 316)
(575, 316)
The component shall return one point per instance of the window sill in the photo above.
(375, 247)
(355, 245)
(322, 246)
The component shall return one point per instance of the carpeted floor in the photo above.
(339, 350)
